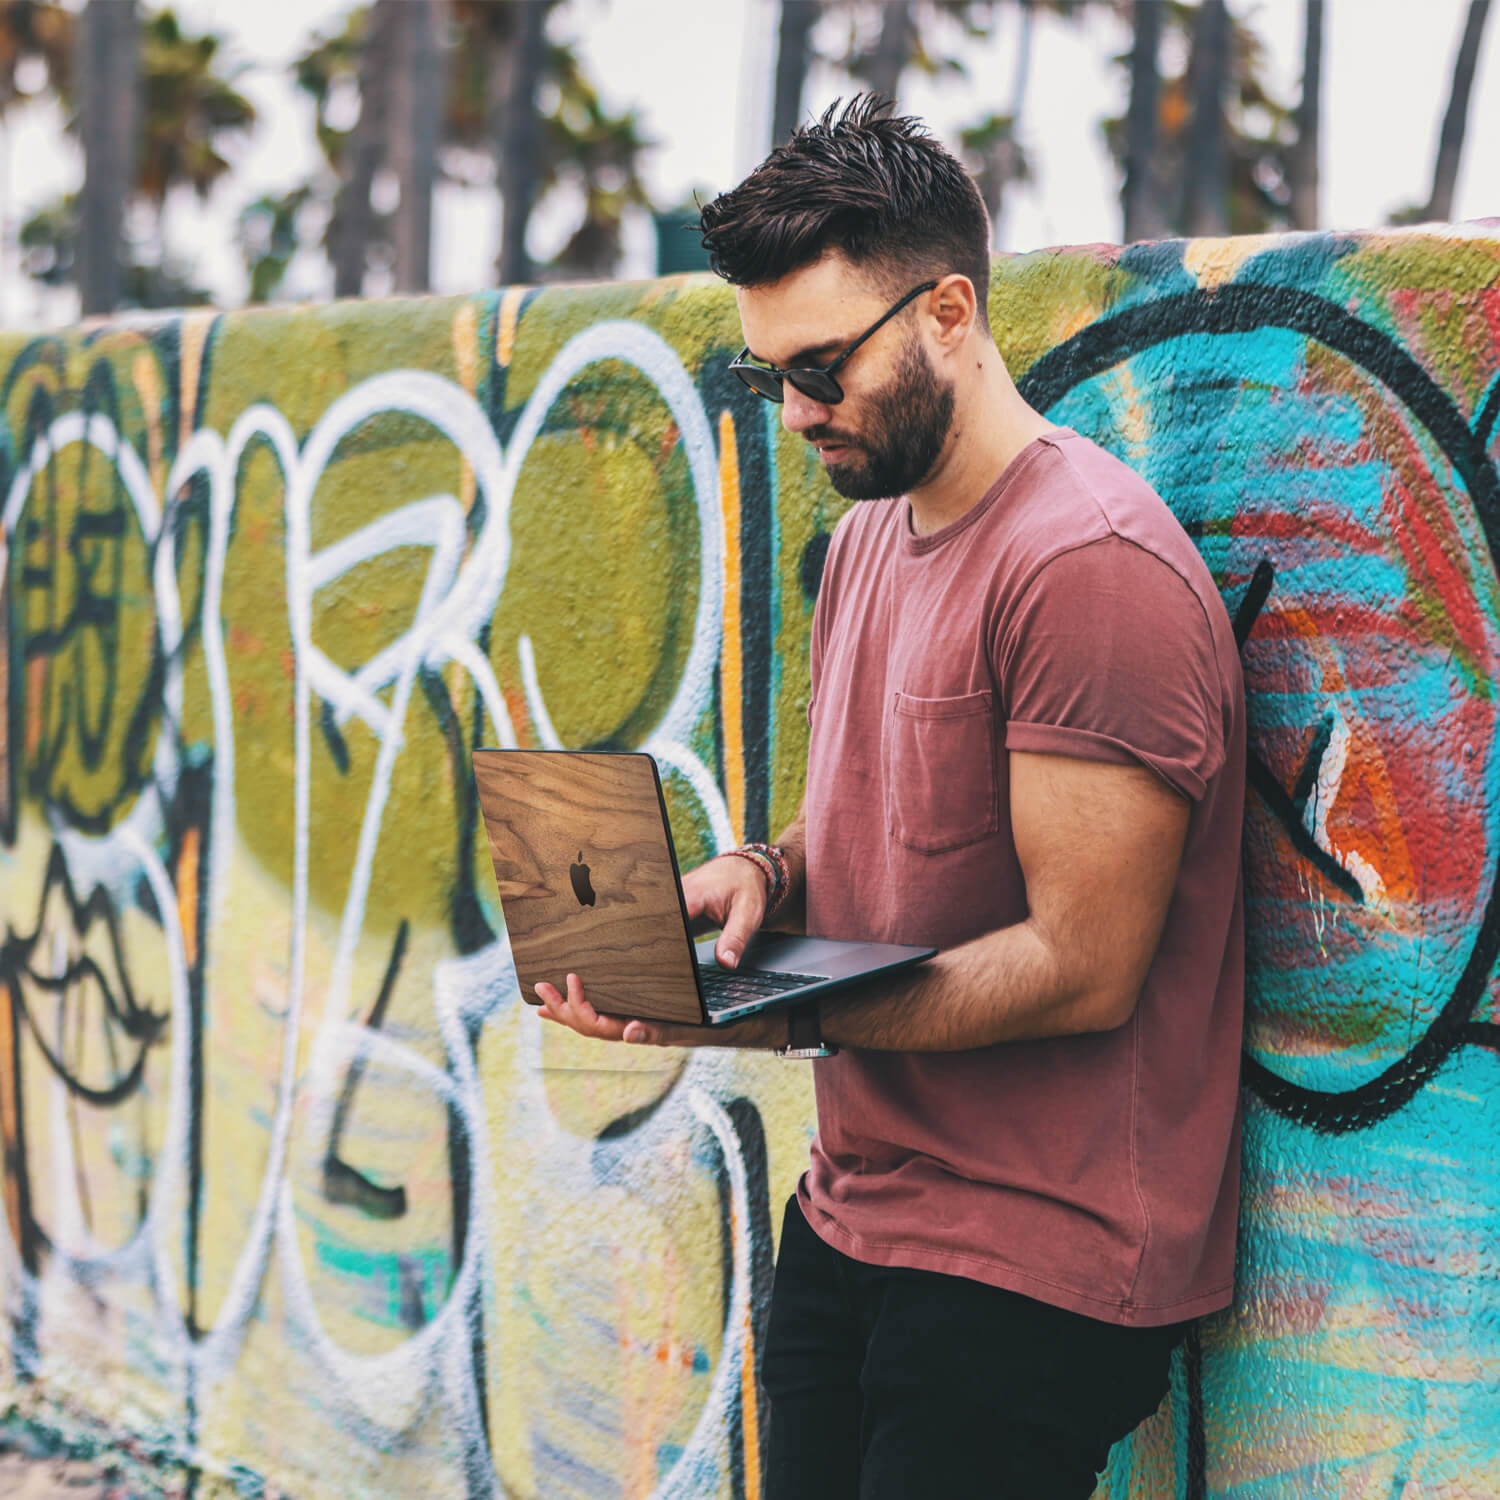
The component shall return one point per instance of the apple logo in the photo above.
(579, 875)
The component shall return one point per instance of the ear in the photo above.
(953, 305)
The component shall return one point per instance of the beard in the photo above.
(903, 437)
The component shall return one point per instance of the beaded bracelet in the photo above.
(777, 855)
(762, 864)
(769, 859)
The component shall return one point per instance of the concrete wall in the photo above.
(298, 1193)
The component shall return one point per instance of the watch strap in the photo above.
(804, 1033)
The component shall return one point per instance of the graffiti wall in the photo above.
(298, 1196)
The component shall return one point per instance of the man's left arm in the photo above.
(1099, 845)
(1113, 725)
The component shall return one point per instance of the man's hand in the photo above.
(574, 1011)
(729, 893)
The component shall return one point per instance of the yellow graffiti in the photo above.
(730, 667)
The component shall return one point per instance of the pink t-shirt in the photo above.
(1067, 612)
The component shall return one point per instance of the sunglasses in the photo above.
(818, 385)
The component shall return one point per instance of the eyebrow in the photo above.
(799, 359)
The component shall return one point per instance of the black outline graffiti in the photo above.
(1489, 413)
(1481, 1034)
(744, 1115)
(719, 390)
(1247, 308)
(141, 1026)
(1197, 1433)
(343, 1183)
(1288, 810)
(121, 1011)
(96, 544)
(470, 928)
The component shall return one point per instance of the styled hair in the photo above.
(873, 185)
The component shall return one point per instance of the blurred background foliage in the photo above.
(497, 95)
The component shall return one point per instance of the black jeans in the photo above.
(893, 1384)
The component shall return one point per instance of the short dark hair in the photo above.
(871, 184)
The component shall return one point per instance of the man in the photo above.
(1027, 748)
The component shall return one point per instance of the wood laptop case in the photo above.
(564, 828)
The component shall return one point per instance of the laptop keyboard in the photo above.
(725, 988)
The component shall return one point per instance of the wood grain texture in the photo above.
(543, 810)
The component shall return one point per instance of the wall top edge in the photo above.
(1235, 250)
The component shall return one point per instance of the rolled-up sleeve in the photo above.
(1109, 655)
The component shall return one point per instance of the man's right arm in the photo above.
(730, 893)
(791, 915)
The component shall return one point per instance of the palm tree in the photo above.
(357, 57)
(994, 156)
(1439, 203)
(416, 113)
(49, 242)
(1205, 206)
(997, 156)
(34, 30)
(1247, 170)
(266, 231)
(907, 37)
(517, 127)
(793, 54)
(108, 88)
(1302, 158)
(190, 109)
(883, 66)
(1141, 193)
(153, 109)
(502, 55)
(31, 31)
(901, 41)
(492, 130)
(392, 52)
(598, 154)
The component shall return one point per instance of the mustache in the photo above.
(823, 435)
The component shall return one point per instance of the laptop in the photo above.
(589, 884)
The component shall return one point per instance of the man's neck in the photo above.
(991, 428)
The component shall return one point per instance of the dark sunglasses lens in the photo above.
(762, 382)
(819, 387)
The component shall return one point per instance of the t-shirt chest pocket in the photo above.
(939, 770)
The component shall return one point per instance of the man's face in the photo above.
(887, 434)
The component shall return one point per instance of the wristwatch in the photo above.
(804, 1036)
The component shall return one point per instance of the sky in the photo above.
(700, 75)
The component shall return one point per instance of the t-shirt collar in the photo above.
(917, 545)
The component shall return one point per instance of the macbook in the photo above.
(589, 884)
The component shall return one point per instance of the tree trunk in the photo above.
(793, 52)
(109, 122)
(893, 50)
(1140, 194)
(1008, 162)
(1205, 202)
(351, 223)
(415, 116)
(1456, 121)
(518, 164)
(1302, 162)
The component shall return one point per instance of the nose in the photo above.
(799, 411)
